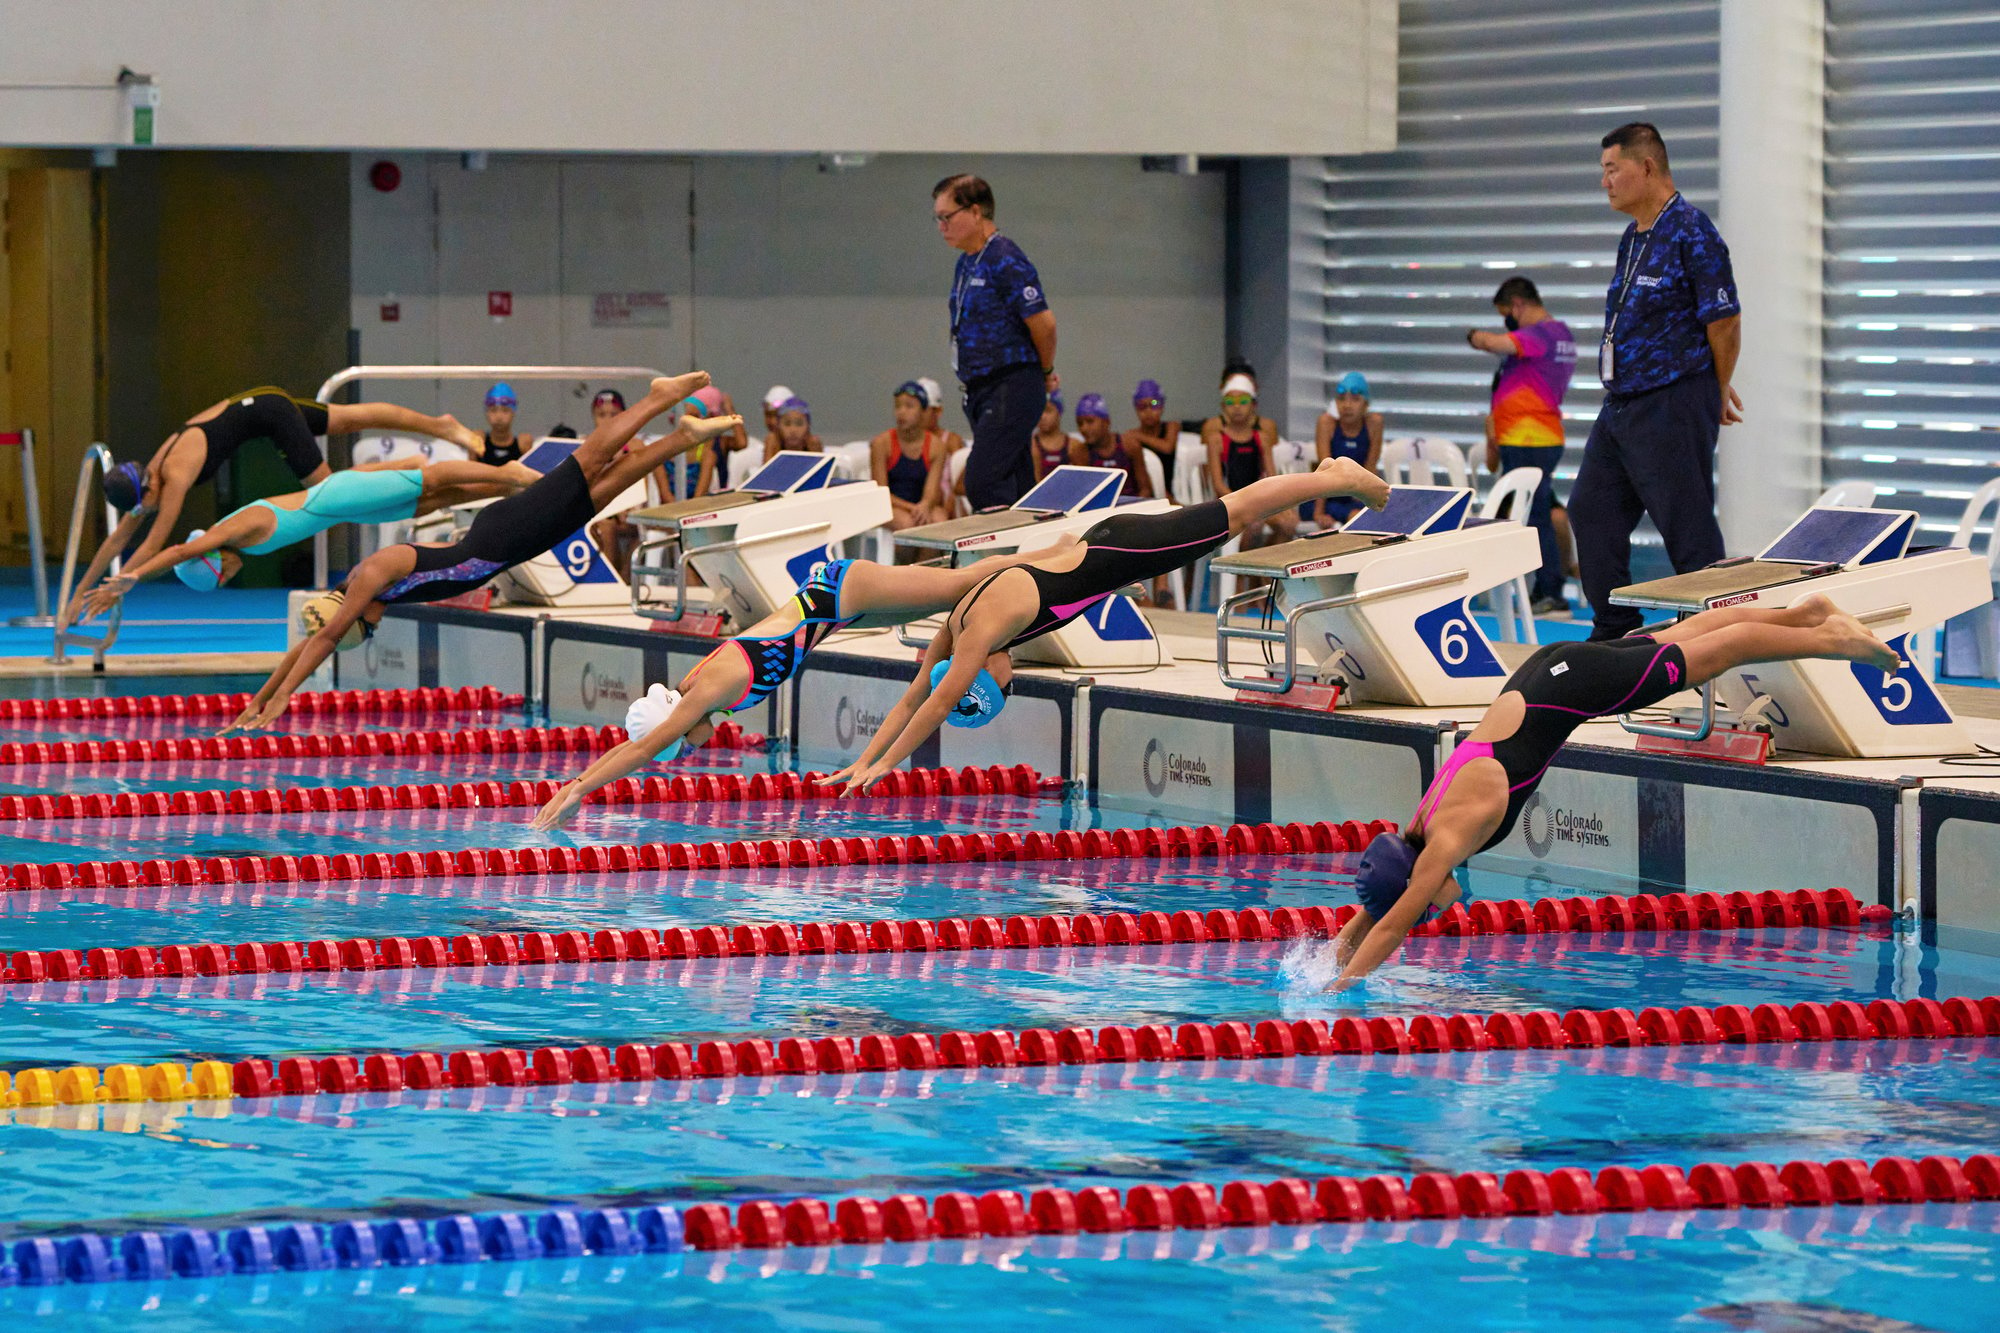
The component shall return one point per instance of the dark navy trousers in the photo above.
(1003, 408)
(1651, 454)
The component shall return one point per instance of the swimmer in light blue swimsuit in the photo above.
(210, 558)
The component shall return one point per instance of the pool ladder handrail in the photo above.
(65, 637)
(1290, 618)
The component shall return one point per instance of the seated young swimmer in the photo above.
(377, 493)
(837, 595)
(1015, 605)
(506, 533)
(1475, 800)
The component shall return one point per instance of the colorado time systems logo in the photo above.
(851, 723)
(593, 687)
(1160, 766)
(377, 657)
(1544, 825)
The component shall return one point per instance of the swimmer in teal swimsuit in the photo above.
(380, 493)
(747, 668)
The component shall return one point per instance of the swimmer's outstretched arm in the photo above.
(1378, 939)
(239, 529)
(922, 710)
(369, 578)
(707, 688)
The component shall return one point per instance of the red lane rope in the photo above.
(1019, 780)
(331, 703)
(365, 744)
(950, 848)
(1831, 907)
(553, 1066)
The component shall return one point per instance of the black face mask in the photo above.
(1511, 323)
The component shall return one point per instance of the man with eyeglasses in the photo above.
(1003, 342)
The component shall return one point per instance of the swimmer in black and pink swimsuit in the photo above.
(1032, 599)
(1480, 792)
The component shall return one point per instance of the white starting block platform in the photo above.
(1381, 605)
(1115, 633)
(754, 545)
(1861, 561)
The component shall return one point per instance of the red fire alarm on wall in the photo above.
(500, 305)
(392, 312)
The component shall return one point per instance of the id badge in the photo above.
(1605, 361)
(954, 356)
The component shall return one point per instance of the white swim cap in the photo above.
(932, 393)
(648, 711)
(1240, 383)
(776, 395)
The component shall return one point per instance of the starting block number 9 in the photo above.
(578, 555)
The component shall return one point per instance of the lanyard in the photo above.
(1632, 268)
(965, 281)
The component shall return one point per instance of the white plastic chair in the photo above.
(1191, 469)
(1966, 536)
(1511, 499)
(1424, 462)
(1848, 495)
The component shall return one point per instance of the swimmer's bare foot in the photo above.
(1852, 641)
(1350, 478)
(1810, 611)
(466, 438)
(703, 429)
(676, 387)
(519, 474)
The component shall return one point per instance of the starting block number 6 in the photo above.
(1457, 645)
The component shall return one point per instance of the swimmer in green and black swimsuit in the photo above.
(390, 493)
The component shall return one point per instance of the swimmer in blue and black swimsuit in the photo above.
(836, 595)
(1014, 606)
(1480, 792)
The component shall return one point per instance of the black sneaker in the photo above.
(1551, 606)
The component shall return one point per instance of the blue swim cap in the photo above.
(981, 704)
(1385, 873)
(203, 573)
(124, 486)
(501, 395)
(1352, 382)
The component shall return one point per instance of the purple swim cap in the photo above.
(1149, 391)
(1092, 405)
(796, 404)
(1384, 873)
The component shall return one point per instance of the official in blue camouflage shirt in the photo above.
(1672, 329)
(1003, 338)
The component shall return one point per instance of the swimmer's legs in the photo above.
(601, 446)
(1839, 637)
(1269, 497)
(346, 418)
(1812, 611)
(882, 592)
(628, 468)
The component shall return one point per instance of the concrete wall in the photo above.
(1277, 76)
(776, 272)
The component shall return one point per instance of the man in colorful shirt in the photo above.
(1003, 340)
(1525, 425)
(1672, 329)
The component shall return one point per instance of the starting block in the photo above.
(753, 546)
(1863, 562)
(1381, 605)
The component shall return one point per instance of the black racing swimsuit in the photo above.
(290, 424)
(1564, 685)
(1123, 549)
(507, 532)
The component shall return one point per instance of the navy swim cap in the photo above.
(1385, 873)
(124, 485)
(981, 704)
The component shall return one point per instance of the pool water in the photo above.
(114, 1167)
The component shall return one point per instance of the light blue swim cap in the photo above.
(203, 573)
(981, 704)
